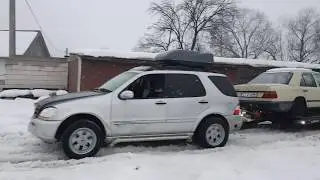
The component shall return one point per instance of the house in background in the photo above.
(38, 47)
(89, 69)
(33, 67)
(29, 43)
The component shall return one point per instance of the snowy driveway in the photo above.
(251, 154)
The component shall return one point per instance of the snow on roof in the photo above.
(23, 40)
(116, 54)
(266, 63)
(221, 60)
(289, 69)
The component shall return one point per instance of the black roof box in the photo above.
(186, 59)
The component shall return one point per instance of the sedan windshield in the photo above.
(272, 78)
(116, 82)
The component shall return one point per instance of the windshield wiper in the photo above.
(104, 90)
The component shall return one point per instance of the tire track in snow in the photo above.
(32, 153)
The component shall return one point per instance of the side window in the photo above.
(148, 87)
(224, 85)
(308, 80)
(183, 85)
(317, 77)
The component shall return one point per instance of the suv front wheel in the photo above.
(212, 132)
(82, 139)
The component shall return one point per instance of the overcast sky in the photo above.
(113, 24)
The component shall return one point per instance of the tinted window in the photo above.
(148, 87)
(224, 85)
(317, 77)
(183, 85)
(307, 80)
(272, 78)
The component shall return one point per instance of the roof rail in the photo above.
(142, 68)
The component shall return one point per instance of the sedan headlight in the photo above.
(48, 112)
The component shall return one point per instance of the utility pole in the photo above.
(12, 28)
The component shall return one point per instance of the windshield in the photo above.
(117, 81)
(272, 78)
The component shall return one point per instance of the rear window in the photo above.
(272, 78)
(224, 85)
(317, 77)
(307, 80)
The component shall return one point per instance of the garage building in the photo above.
(89, 69)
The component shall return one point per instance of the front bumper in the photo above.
(44, 130)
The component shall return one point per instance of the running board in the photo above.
(145, 138)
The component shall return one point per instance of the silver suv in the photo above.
(142, 104)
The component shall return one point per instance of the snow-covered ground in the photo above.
(37, 93)
(255, 154)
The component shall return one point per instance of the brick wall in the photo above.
(96, 72)
(238, 74)
(247, 73)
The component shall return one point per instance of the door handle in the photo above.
(203, 102)
(160, 103)
(305, 90)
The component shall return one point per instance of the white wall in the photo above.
(32, 73)
(2, 72)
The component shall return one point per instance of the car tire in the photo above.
(82, 139)
(212, 132)
(298, 109)
(281, 121)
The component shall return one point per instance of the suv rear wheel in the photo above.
(82, 139)
(212, 132)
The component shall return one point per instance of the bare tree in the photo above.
(183, 24)
(248, 35)
(275, 49)
(201, 15)
(304, 36)
(156, 42)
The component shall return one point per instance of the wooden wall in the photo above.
(73, 71)
(34, 73)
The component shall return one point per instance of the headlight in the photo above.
(48, 112)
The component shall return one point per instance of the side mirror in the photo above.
(127, 95)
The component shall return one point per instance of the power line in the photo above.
(39, 25)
